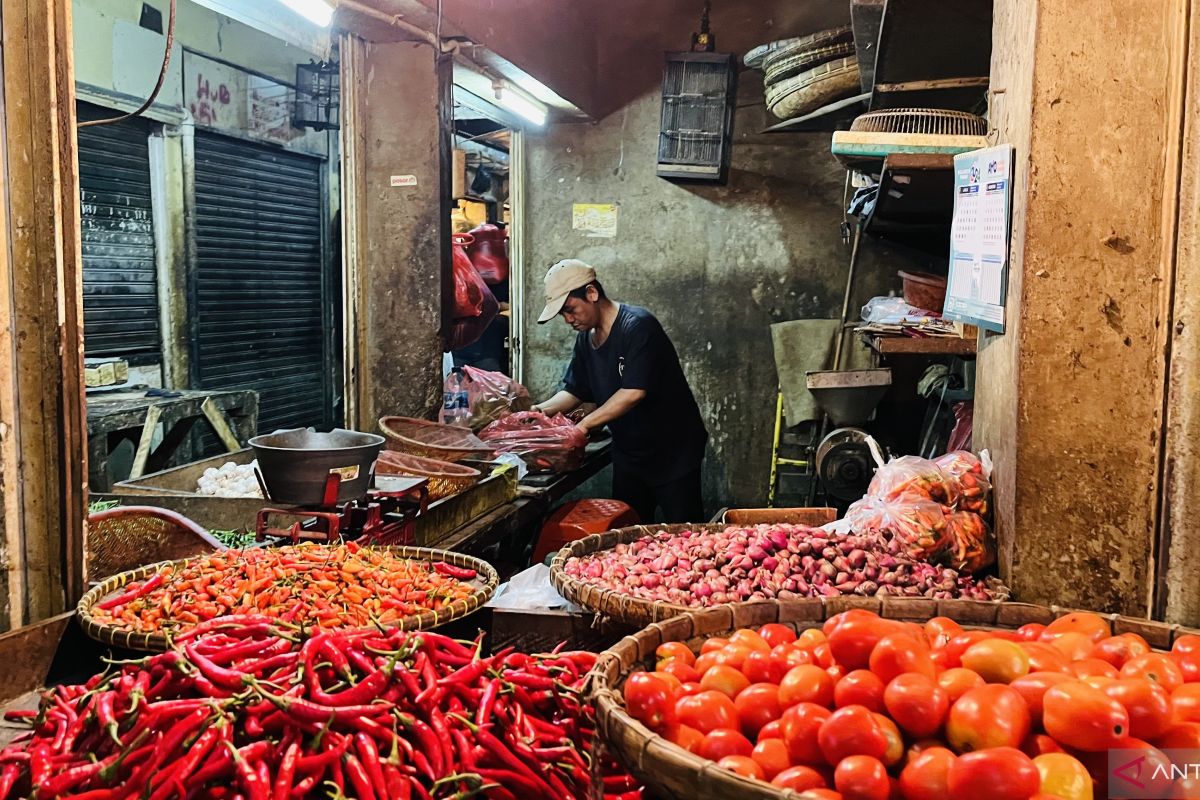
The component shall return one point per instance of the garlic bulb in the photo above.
(230, 480)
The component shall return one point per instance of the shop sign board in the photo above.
(979, 237)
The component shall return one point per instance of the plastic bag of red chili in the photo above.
(547, 444)
(972, 549)
(919, 525)
(968, 472)
(910, 476)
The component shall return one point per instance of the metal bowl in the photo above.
(295, 465)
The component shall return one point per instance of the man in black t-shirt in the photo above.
(624, 362)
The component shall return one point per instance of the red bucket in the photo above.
(924, 290)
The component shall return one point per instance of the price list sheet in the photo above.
(979, 234)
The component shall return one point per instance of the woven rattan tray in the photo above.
(672, 772)
(620, 607)
(420, 437)
(445, 477)
(486, 583)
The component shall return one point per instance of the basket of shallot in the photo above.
(643, 574)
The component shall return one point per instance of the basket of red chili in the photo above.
(310, 586)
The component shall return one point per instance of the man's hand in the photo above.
(583, 428)
(561, 403)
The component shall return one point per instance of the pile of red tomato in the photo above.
(873, 709)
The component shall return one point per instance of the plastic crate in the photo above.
(579, 519)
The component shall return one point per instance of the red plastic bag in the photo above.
(964, 418)
(913, 476)
(467, 330)
(546, 444)
(491, 396)
(967, 471)
(469, 288)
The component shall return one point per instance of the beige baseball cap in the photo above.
(563, 278)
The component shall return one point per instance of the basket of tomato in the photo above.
(900, 698)
(307, 586)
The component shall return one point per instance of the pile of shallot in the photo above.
(762, 562)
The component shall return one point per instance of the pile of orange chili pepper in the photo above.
(310, 585)
(241, 711)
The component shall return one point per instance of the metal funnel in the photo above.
(849, 397)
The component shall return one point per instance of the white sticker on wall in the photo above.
(404, 180)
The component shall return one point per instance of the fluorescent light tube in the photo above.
(519, 104)
(319, 12)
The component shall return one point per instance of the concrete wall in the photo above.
(401, 247)
(716, 264)
(998, 363)
(1180, 602)
(97, 61)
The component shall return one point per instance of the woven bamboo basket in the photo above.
(485, 584)
(620, 607)
(420, 437)
(672, 772)
(125, 537)
(445, 478)
(796, 96)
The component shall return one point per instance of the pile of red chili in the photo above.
(311, 584)
(240, 711)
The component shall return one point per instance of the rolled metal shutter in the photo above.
(261, 296)
(120, 297)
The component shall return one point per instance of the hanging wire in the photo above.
(162, 78)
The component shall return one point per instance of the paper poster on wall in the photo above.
(979, 235)
(595, 219)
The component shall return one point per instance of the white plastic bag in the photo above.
(531, 590)
(893, 311)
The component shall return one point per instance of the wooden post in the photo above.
(221, 425)
(1070, 399)
(42, 426)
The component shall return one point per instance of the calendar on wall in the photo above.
(978, 280)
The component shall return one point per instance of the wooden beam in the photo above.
(149, 426)
(942, 83)
(220, 425)
(41, 395)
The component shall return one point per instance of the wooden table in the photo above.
(514, 524)
(120, 416)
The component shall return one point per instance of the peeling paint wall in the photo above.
(1077, 418)
(716, 264)
(1179, 599)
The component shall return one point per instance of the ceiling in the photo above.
(597, 57)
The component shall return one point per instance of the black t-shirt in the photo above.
(662, 438)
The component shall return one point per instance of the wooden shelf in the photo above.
(930, 346)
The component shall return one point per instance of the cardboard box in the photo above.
(105, 373)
